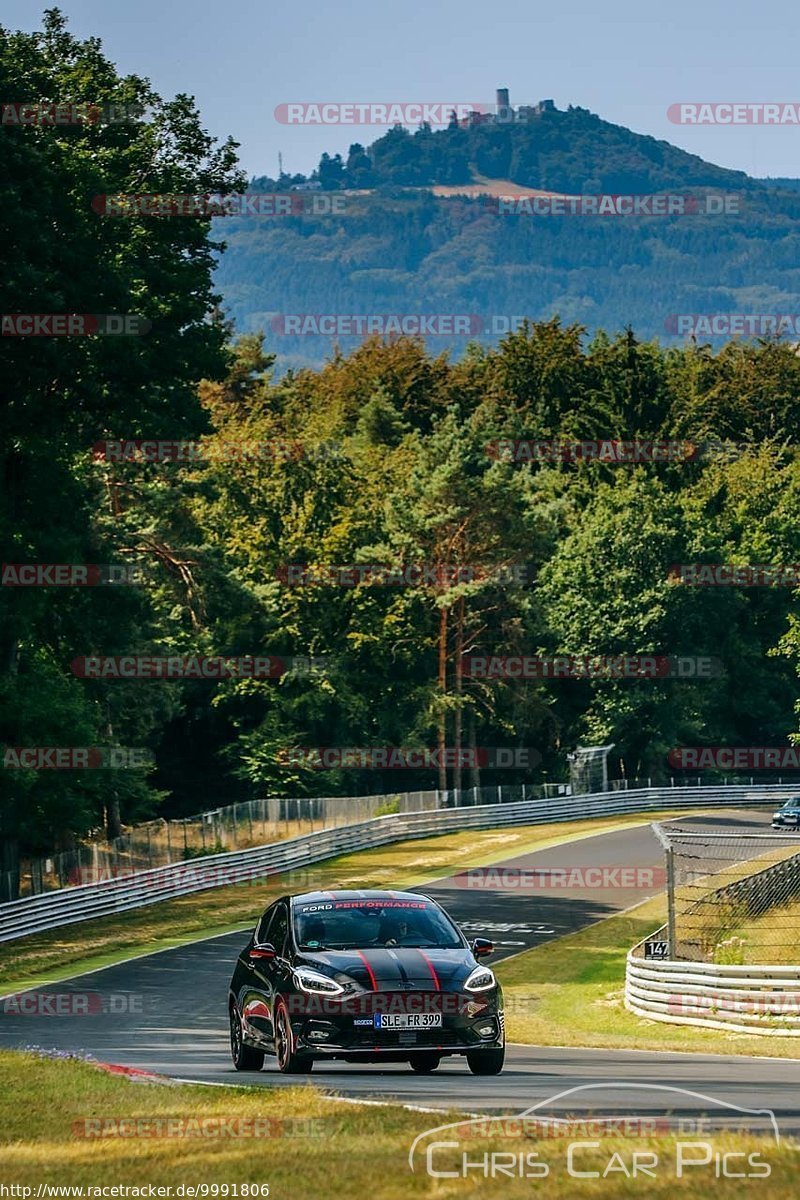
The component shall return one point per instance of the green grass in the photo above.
(73, 949)
(569, 992)
(351, 1150)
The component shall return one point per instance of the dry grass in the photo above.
(722, 930)
(351, 1150)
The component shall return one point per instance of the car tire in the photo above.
(486, 1062)
(245, 1058)
(289, 1061)
(423, 1064)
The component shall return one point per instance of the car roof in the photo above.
(386, 894)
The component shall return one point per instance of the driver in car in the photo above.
(392, 931)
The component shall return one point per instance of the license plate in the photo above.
(408, 1020)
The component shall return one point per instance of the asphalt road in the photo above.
(167, 1012)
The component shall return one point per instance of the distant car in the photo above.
(788, 815)
(364, 976)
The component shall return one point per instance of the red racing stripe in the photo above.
(432, 970)
(370, 971)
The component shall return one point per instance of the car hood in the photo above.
(395, 968)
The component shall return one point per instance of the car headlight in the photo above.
(313, 981)
(480, 980)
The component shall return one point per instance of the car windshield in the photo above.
(793, 803)
(361, 924)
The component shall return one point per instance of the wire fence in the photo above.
(234, 827)
(259, 822)
(733, 897)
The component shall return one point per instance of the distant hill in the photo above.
(570, 151)
(400, 248)
(789, 185)
(573, 151)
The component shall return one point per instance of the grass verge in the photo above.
(74, 949)
(569, 992)
(308, 1146)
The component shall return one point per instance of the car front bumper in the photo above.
(476, 1023)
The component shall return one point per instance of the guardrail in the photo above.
(741, 999)
(36, 914)
(216, 831)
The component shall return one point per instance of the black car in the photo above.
(364, 976)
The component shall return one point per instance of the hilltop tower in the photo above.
(503, 110)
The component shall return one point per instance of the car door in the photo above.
(269, 976)
(276, 971)
(257, 988)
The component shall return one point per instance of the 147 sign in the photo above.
(656, 949)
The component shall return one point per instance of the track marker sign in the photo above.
(656, 949)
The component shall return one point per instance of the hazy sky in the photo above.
(626, 61)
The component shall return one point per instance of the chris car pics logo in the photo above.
(594, 1132)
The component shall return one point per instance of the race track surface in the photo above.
(167, 1012)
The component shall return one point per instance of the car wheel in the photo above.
(289, 1062)
(423, 1064)
(245, 1058)
(486, 1062)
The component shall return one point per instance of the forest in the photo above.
(383, 456)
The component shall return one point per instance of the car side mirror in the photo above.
(265, 950)
(481, 947)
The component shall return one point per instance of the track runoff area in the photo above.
(166, 1012)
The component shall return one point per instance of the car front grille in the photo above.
(399, 1039)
